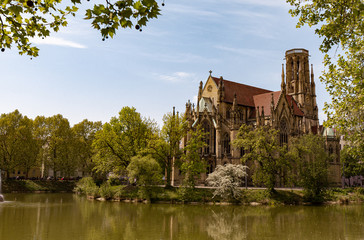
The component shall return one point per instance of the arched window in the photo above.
(242, 152)
(283, 132)
(226, 144)
(206, 129)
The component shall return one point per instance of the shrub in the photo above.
(227, 180)
(105, 191)
(85, 185)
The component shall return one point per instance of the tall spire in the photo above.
(283, 84)
(312, 81)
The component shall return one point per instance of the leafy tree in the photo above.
(145, 170)
(165, 146)
(262, 146)
(18, 148)
(192, 162)
(21, 20)
(352, 164)
(227, 180)
(340, 24)
(311, 164)
(57, 143)
(84, 134)
(121, 139)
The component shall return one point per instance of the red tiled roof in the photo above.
(244, 93)
(266, 99)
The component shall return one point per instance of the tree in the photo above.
(165, 146)
(262, 146)
(192, 162)
(341, 25)
(121, 139)
(227, 180)
(145, 170)
(311, 164)
(352, 164)
(84, 134)
(21, 20)
(57, 143)
(18, 148)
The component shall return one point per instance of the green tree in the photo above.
(145, 170)
(165, 146)
(121, 139)
(192, 162)
(311, 164)
(352, 164)
(84, 134)
(21, 20)
(227, 180)
(57, 144)
(340, 24)
(262, 146)
(18, 148)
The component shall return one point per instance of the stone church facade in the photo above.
(223, 106)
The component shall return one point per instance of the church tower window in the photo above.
(226, 144)
(206, 129)
(283, 132)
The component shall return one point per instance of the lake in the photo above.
(72, 217)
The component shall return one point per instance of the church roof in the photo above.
(265, 100)
(205, 103)
(244, 93)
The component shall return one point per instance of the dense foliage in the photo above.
(164, 146)
(121, 139)
(192, 163)
(262, 146)
(22, 20)
(311, 163)
(227, 180)
(340, 24)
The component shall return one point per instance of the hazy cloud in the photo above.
(177, 77)
(177, 8)
(247, 51)
(57, 42)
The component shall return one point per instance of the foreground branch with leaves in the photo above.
(22, 20)
(340, 24)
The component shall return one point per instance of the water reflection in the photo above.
(67, 216)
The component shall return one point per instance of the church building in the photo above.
(223, 106)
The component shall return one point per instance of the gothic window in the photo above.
(228, 113)
(283, 132)
(241, 116)
(242, 152)
(226, 144)
(206, 129)
(331, 150)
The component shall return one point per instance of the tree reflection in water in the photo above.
(67, 216)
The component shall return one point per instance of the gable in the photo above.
(210, 90)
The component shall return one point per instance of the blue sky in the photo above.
(80, 76)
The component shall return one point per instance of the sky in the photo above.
(82, 77)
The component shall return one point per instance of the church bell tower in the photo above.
(300, 82)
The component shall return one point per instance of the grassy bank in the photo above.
(9, 186)
(206, 195)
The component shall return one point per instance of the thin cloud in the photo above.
(177, 8)
(57, 42)
(250, 14)
(266, 3)
(246, 51)
(177, 77)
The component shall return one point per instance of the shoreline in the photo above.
(195, 196)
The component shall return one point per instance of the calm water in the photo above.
(71, 217)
